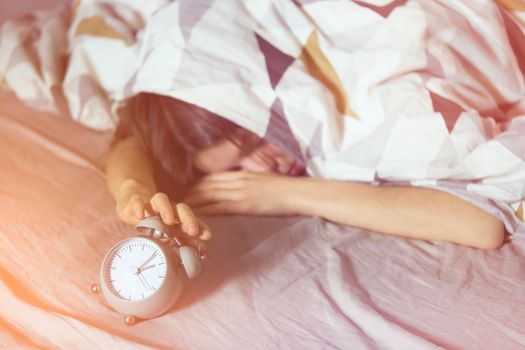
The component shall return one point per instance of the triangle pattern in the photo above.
(519, 212)
(513, 138)
(383, 11)
(280, 134)
(190, 12)
(277, 62)
(319, 67)
(316, 147)
(512, 5)
(448, 109)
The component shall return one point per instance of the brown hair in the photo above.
(173, 132)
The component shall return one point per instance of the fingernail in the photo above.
(168, 218)
(138, 213)
(206, 235)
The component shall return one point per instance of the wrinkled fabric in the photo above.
(268, 283)
(422, 93)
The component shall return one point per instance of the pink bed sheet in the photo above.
(268, 283)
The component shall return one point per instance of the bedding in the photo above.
(389, 92)
(418, 93)
(268, 283)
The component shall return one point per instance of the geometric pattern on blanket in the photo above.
(342, 86)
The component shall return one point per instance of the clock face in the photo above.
(135, 269)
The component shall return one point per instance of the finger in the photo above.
(212, 185)
(212, 196)
(190, 222)
(227, 175)
(221, 208)
(126, 216)
(205, 232)
(197, 199)
(136, 207)
(149, 211)
(161, 204)
(203, 249)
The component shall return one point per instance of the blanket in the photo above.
(401, 92)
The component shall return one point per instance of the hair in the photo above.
(173, 132)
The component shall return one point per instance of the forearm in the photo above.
(406, 211)
(128, 162)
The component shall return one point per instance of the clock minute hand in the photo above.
(147, 284)
(144, 282)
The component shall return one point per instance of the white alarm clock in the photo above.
(142, 277)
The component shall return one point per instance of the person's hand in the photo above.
(134, 202)
(241, 192)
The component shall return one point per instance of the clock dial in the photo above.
(135, 269)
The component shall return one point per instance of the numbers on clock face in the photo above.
(135, 270)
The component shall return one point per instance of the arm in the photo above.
(127, 164)
(412, 212)
(131, 182)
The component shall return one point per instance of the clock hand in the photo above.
(147, 267)
(147, 261)
(147, 284)
(144, 282)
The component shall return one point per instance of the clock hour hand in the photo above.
(141, 267)
(147, 267)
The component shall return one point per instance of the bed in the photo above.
(268, 282)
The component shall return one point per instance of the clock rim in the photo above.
(157, 303)
(121, 243)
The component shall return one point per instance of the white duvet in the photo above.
(417, 92)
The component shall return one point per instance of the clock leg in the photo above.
(130, 320)
(95, 288)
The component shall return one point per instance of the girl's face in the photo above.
(226, 156)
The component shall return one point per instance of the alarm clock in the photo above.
(142, 277)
